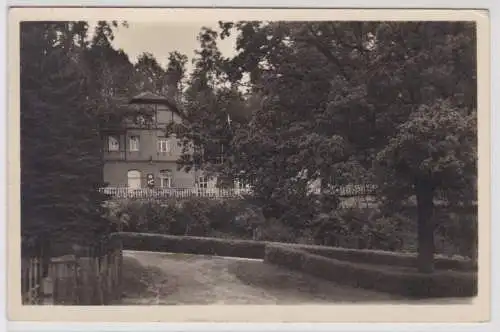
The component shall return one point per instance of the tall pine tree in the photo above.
(60, 146)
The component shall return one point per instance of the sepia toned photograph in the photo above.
(248, 162)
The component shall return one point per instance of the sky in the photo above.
(162, 38)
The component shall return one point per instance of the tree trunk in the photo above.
(425, 225)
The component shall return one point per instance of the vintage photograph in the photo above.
(272, 162)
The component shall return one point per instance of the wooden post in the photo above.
(48, 291)
(38, 281)
(30, 280)
(99, 281)
(109, 288)
(86, 291)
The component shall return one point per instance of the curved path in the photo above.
(161, 278)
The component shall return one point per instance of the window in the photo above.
(202, 182)
(134, 143)
(113, 143)
(166, 178)
(163, 145)
(140, 120)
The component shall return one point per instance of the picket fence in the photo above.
(72, 280)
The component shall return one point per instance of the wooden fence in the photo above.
(72, 280)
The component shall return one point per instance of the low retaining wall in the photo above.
(398, 280)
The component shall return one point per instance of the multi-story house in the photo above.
(138, 153)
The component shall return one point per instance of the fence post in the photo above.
(86, 291)
(48, 291)
(30, 281)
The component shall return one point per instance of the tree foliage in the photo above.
(388, 102)
(392, 103)
(61, 166)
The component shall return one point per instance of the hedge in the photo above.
(379, 257)
(256, 249)
(398, 281)
(192, 245)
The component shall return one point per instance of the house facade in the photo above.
(138, 154)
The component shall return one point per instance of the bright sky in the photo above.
(162, 38)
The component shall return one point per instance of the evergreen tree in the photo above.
(61, 166)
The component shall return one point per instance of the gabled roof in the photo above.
(149, 98)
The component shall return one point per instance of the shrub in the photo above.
(456, 231)
(151, 216)
(275, 230)
(193, 216)
(397, 281)
(247, 221)
(189, 217)
(357, 228)
(461, 230)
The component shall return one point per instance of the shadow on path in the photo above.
(162, 278)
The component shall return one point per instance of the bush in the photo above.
(357, 228)
(456, 231)
(237, 217)
(461, 230)
(274, 230)
(193, 216)
(139, 216)
(396, 281)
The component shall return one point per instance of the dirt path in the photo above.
(159, 278)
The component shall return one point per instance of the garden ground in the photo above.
(151, 278)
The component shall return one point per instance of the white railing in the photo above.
(159, 193)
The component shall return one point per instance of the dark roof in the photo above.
(149, 98)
